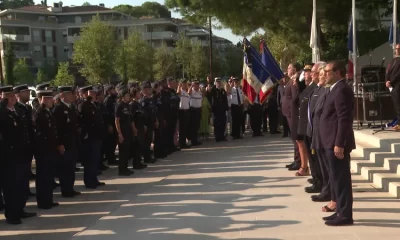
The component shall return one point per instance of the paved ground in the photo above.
(233, 190)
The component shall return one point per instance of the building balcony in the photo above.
(72, 39)
(16, 38)
(160, 35)
(20, 54)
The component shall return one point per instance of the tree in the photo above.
(182, 49)
(165, 62)
(7, 4)
(151, 9)
(198, 61)
(50, 70)
(233, 61)
(134, 58)
(63, 77)
(22, 74)
(41, 76)
(9, 62)
(86, 4)
(95, 50)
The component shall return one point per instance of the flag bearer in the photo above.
(45, 149)
(67, 140)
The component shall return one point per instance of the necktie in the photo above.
(309, 114)
(238, 97)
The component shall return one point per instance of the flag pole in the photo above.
(315, 48)
(354, 45)
(394, 32)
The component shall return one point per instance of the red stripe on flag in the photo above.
(264, 96)
(350, 66)
(248, 91)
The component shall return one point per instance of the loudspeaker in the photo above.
(373, 74)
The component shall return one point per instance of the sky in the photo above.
(225, 33)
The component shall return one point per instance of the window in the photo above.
(66, 49)
(37, 49)
(49, 51)
(49, 36)
(36, 35)
(65, 33)
(38, 63)
(78, 19)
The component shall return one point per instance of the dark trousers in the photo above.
(159, 143)
(27, 159)
(108, 146)
(327, 190)
(296, 147)
(237, 120)
(91, 162)
(396, 99)
(244, 121)
(183, 126)
(285, 125)
(340, 178)
(136, 152)
(256, 118)
(273, 117)
(171, 127)
(314, 163)
(195, 117)
(67, 170)
(14, 178)
(145, 139)
(45, 165)
(124, 152)
(219, 124)
(265, 119)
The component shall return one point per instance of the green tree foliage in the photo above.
(9, 62)
(63, 77)
(151, 9)
(233, 61)
(41, 76)
(86, 4)
(95, 50)
(165, 62)
(135, 58)
(50, 70)
(198, 61)
(22, 74)
(182, 52)
(7, 4)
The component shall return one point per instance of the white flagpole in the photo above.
(314, 35)
(354, 45)
(394, 32)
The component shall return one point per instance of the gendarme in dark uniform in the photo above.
(12, 159)
(39, 87)
(110, 139)
(45, 150)
(148, 110)
(172, 117)
(67, 140)
(159, 139)
(91, 135)
(219, 109)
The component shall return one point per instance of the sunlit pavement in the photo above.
(234, 190)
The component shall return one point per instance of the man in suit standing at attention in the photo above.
(338, 140)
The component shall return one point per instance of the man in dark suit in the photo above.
(280, 95)
(393, 81)
(337, 138)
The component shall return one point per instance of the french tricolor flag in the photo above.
(350, 65)
(256, 78)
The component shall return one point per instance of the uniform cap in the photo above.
(146, 84)
(217, 79)
(63, 89)
(170, 78)
(195, 81)
(307, 68)
(21, 88)
(86, 88)
(6, 89)
(235, 79)
(183, 80)
(42, 86)
(108, 87)
(44, 93)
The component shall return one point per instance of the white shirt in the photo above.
(229, 96)
(184, 104)
(334, 85)
(68, 104)
(234, 96)
(196, 98)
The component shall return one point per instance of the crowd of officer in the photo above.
(66, 125)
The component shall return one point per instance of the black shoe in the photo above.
(31, 194)
(318, 198)
(310, 181)
(54, 204)
(113, 163)
(71, 194)
(103, 167)
(77, 169)
(28, 215)
(313, 189)
(91, 187)
(55, 185)
(196, 143)
(101, 184)
(340, 221)
(76, 193)
(125, 173)
(150, 160)
(140, 166)
(14, 221)
(45, 207)
(331, 217)
(295, 167)
(290, 165)
(33, 176)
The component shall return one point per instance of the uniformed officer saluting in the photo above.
(45, 150)
(67, 140)
(91, 134)
(14, 180)
(148, 110)
(219, 109)
(126, 130)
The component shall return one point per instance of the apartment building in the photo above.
(47, 33)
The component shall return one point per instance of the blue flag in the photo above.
(270, 63)
(391, 34)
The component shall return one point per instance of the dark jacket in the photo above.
(304, 98)
(45, 132)
(25, 111)
(11, 133)
(67, 126)
(337, 118)
(91, 120)
(393, 72)
(316, 108)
